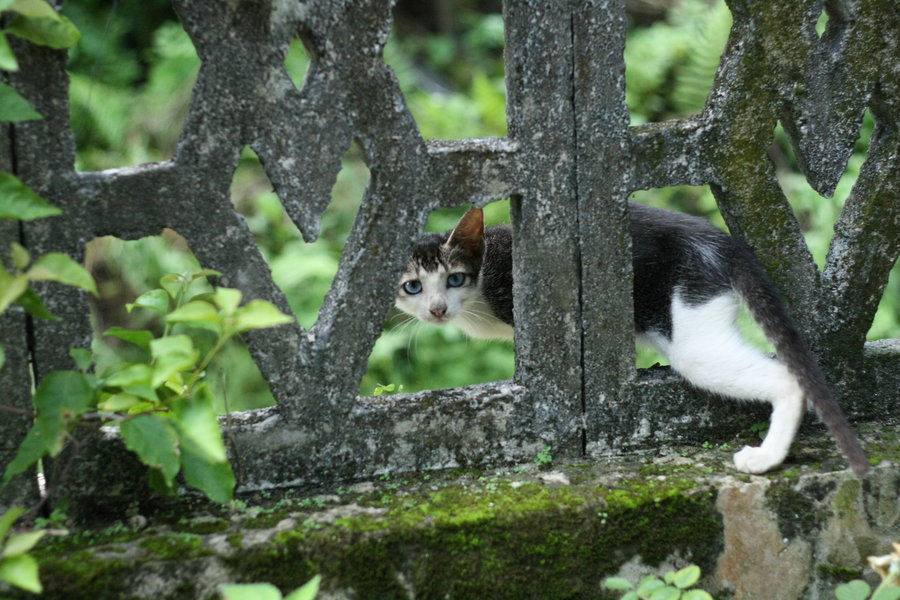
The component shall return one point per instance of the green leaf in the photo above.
(696, 595)
(21, 571)
(130, 375)
(887, 593)
(18, 201)
(83, 358)
(156, 299)
(172, 283)
(618, 583)
(33, 305)
(215, 479)
(227, 299)
(138, 337)
(250, 591)
(30, 451)
(258, 314)
(171, 354)
(144, 392)
(308, 591)
(649, 584)
(59, 267)
(2, 357)
(198, 428)
(198, 314)
(21, 543)
(14, 107)
(20, 256)
(853, 590)
(119, 402)
(154, 440)
(57, 33)
(665, 593)
(33, 8)
(204, 273)
(8, 518)
(8, 60)
(686, 577)
(60, 396)
(11, 287)
(630, 596)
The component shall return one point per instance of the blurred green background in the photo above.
(131, 82)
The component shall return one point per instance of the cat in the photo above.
(689, 279)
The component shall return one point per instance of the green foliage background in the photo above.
(132, 76)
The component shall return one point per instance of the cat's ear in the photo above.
(469, 232)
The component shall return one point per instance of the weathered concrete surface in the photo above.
(22, 490)
(471, 427)
(518, 532)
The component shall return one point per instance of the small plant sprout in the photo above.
(267, 591)
(888, 568)
(673, 586)
(389, 388)
(760, 429)
(544, 458)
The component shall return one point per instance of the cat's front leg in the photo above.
(757, 460)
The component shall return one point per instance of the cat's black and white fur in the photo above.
(689, 278)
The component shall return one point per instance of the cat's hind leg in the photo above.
(708, 350)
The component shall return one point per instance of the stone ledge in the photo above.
(512, 533)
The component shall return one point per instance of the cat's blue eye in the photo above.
(456, 279)
(412, 287)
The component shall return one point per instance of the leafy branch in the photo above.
(161, 402)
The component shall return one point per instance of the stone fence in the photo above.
(569, 163)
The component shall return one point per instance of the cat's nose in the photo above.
(438, 311)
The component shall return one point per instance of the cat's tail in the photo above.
(754, 286)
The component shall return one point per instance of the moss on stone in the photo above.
(80, 575)
(839, 574)
(175, 546)
(796, 512)
(202, 526)
(234, 540)
(264, 520)
(845, 499)
(495, 541)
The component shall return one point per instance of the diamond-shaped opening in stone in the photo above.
(411, 355)
(697, 201)
(670, 62)
(304, 271)
(815, 213)
(297, 62)
(131, 78)
(123, 271)
(448, 60)
(886, 323)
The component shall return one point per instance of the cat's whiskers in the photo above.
(402, 327)
(481, 316)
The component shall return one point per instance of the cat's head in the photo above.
(441, 280)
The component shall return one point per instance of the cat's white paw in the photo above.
(756, 460)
